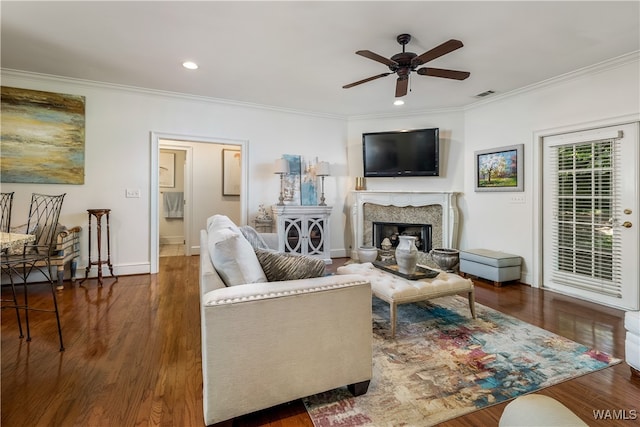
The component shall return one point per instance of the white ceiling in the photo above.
(298, 55)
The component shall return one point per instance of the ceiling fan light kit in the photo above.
(404, 63)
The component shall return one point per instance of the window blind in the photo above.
(586, 239)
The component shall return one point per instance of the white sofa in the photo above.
(267, 343)
(632, 341)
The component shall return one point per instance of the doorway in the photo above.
(590, 215)
(203, 187)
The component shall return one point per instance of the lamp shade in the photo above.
(323, 169)
(282, 166)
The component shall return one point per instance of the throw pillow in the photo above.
(254, 238)
(217, 222)
(279, 266)
(233, 258)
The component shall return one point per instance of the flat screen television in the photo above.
(401, 153)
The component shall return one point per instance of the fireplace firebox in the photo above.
(392, 230)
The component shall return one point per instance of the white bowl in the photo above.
(367, 253)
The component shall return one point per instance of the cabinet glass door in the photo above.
(293, 232)
(315, 241)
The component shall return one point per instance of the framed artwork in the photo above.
(167, 172)
(43, 137)
(231, 167)
(500, 169)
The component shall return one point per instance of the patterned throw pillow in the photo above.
(279, 266)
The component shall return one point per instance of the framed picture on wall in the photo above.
(231, 167)
(167, 172)
(500, 169)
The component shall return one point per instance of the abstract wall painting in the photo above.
(309, 183)
(42, 136)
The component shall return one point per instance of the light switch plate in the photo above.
(132, 193)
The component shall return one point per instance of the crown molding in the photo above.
(161, 93)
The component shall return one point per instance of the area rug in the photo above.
(444, 364)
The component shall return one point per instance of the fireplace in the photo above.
(391, 231)
(437, 209)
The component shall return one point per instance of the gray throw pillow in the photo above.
(254, 238)
(279, 266)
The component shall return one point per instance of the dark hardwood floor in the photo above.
(133, 355)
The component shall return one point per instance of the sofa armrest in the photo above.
(268, 343)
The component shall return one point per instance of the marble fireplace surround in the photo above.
(413, 207)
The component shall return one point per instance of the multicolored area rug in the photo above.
(444, 364)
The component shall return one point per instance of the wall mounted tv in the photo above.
(402, 153)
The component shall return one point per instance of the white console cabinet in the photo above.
(304, 230)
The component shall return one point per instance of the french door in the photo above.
(590, 215)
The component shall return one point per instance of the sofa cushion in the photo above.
(279, 266)
(217, 222)
(234, 258)
(253, 237)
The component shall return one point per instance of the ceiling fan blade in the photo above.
(365, 80)
(376, 57)
(447, 74)
(436, 52)
(401, 87)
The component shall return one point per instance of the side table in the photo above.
(99, 213)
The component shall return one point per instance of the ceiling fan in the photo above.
(406, 62)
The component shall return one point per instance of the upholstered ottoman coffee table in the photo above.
(396, 290)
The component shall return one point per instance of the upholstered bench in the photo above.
(632, 341)
(496, 266)
(395, 290)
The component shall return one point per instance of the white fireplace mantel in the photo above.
(402, 199)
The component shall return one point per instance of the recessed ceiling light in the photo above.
(398, 102)
(190, 65)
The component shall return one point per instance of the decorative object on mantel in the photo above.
(360, 183)
(42, 137)
(367, 253)
(407, 254)
(322, 170)
(449, 365)
(500, 169)
(282, 169)
(446, 259)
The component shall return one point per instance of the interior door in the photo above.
(590, 215)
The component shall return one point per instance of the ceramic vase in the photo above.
(367, 253)
(407, 254)
(445, 258)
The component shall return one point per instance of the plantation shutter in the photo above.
(586, 241)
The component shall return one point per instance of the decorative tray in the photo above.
(420, 273)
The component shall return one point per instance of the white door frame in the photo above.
(154, 232)
(538, 137)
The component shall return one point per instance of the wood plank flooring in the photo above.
(133, 355)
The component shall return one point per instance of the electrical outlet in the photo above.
(132, 193)
(519, 198)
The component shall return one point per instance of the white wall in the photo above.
(119, 122)
(491, 219)
(451, 125)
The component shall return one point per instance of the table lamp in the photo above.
(322, 170)
(281, 168)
